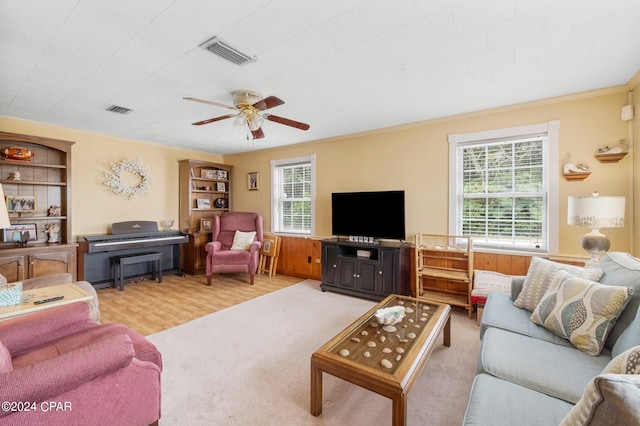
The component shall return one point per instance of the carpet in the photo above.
(250, 365)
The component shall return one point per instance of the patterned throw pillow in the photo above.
(628, 362)
(539, 276)
(612, 394)
(242, 240)
(580, 310)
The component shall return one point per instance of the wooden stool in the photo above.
(269, 253)
(119, 262)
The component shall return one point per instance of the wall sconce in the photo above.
(596, 212)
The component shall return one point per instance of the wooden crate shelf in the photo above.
(444, 269)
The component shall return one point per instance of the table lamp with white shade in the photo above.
(4, 215)
(596, 212)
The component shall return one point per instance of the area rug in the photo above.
(250, 365)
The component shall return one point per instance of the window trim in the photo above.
(307, 159)
(552, 128)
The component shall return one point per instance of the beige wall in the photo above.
(94, 206)
(415, 159)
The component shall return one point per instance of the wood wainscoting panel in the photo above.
(507, 264)
(298, 258)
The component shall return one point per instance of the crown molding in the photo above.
(634, 82)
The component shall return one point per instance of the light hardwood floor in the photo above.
(149, 307)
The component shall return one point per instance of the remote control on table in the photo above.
(51, 299)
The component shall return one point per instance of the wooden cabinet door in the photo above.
(329, 263)
(193, 256)
(389, 260)
(12, 267)
(200, 258)
(346, 272)
(367, 276)
(41, 264)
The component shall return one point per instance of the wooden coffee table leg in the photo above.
(316, 389)
(447, 332)
(399, 412)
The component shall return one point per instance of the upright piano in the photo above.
(95, 251)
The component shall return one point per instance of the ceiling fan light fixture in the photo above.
(255, 122)
(240, 120)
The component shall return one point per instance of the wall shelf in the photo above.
(576, 176)
(610, 158)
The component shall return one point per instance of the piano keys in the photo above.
(95, 251)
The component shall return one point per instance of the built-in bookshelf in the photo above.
(205, 192)
(37, 191)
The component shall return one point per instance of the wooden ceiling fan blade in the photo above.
(268, 102)
(258, 134)
(287, 122)
(209, 102)
(211, 120)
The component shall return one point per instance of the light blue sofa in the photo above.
(527, 375)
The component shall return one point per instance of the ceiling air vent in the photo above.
(225, 50)
(119, 110)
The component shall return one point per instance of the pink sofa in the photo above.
(57, 366)
(220, 258)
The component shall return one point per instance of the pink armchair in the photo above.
(59, 367)
(221, 258)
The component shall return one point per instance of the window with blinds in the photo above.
(503, 200)
(293, 196)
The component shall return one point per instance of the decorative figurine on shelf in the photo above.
(573, 168)
(15, 176)
(622, 147)
(607, 150)
(17, 153)
(53, 211)
(52, 229)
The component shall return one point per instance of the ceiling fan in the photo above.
(250, 106)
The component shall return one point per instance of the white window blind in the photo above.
(501, 194)
(293, 190)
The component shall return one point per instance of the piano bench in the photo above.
(119, 262)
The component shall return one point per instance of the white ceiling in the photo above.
(343, 66)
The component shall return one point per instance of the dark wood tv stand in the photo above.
(369, 270)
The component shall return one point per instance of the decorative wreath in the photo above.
(136, 167)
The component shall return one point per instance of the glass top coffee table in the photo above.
(383, 359)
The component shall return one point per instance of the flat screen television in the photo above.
(377, 214)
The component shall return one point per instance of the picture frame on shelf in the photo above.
(206, 224)
(203, 203)
(20, 203)
(20, 233)
(252, 181)
(222, 174)
(221, 187)
(208, 174)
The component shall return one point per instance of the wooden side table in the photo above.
(71, 293)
